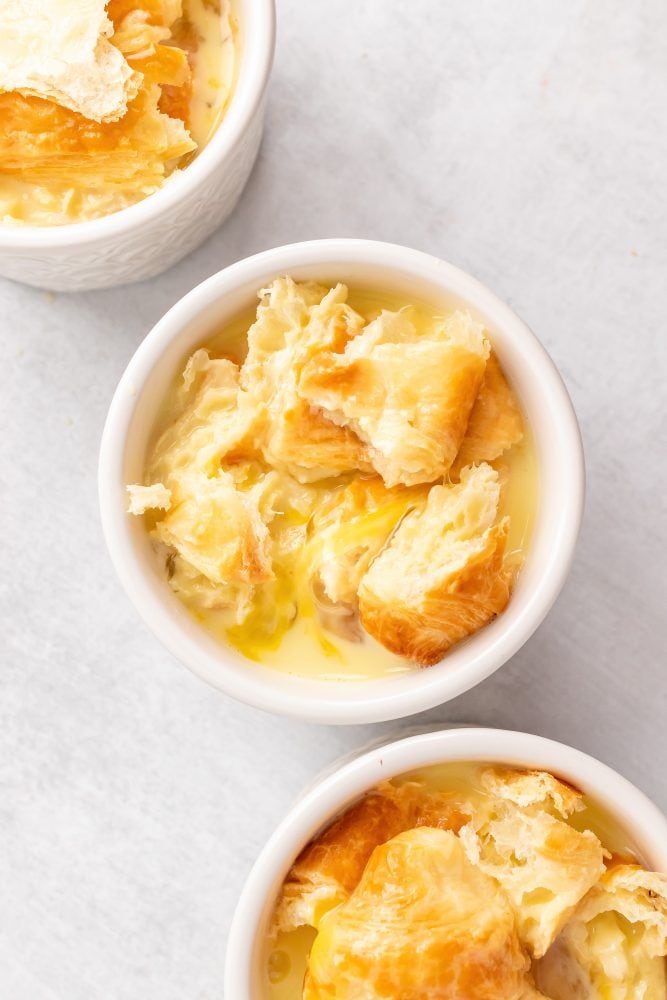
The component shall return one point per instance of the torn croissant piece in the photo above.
(407, 396)
(532, 788)
(61, 52)
(423, 922)
(214, 420)
(441, 576)
(216, 532)
(294, 322)
(45, 143)
(350, 529)
(544, 865)
(221, 532)
(155, 496)
(495, 421)
(216, 525)
(329, 868)
(615, 943)
(42, 143)
(307, 445)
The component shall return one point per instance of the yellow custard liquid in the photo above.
(215, 65)
(287, 957)
(306, 648)
(215, 68)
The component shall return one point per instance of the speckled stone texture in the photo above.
(525, 142)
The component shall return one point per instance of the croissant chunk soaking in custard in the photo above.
(469, 882)
(101, 102)
(346, 487)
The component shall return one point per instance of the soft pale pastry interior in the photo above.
(473, 882)
(614, 945)
(272, 515)
(113, 109)
(544, 865)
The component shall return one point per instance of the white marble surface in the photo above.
(523, 141)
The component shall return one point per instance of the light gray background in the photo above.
(523, 141)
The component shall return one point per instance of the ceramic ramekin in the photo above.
(645, 825)
(383, 267)
(147, 238)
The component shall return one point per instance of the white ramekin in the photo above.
(645, 825)
(384, 267)
(147, 238)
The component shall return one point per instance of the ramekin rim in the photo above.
(369, 704)
(323, 800)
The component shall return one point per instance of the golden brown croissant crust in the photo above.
(440, 578)
(422, 924)
(329, 868)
